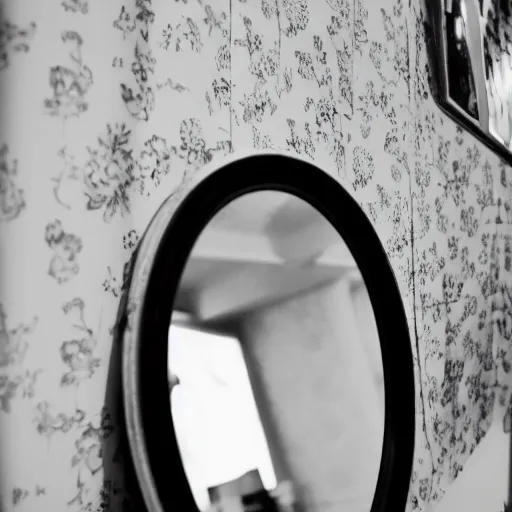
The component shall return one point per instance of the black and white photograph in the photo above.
(255, 255)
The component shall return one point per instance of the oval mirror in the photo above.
(277, 389)
(267, 364)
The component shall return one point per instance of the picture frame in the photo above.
(469, 45)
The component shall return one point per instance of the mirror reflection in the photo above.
(275, 373)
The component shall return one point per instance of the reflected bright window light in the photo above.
(217, 423)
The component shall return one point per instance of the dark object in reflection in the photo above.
(461, 81)
(174, 381)
(245, 493)
(259, 501)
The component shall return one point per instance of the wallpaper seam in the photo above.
(411, 41)
(231, 108)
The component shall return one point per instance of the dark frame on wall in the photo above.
(458, 38)
(156, 450)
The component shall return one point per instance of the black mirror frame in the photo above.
(155, 452)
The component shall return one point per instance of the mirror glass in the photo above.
(275, 373)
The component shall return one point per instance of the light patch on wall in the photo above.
(483, 485)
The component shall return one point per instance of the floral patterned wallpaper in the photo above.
(109, 107)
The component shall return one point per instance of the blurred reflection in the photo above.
(276, 381)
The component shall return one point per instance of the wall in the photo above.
(484, 483)
(107, 108)
(308, 358)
